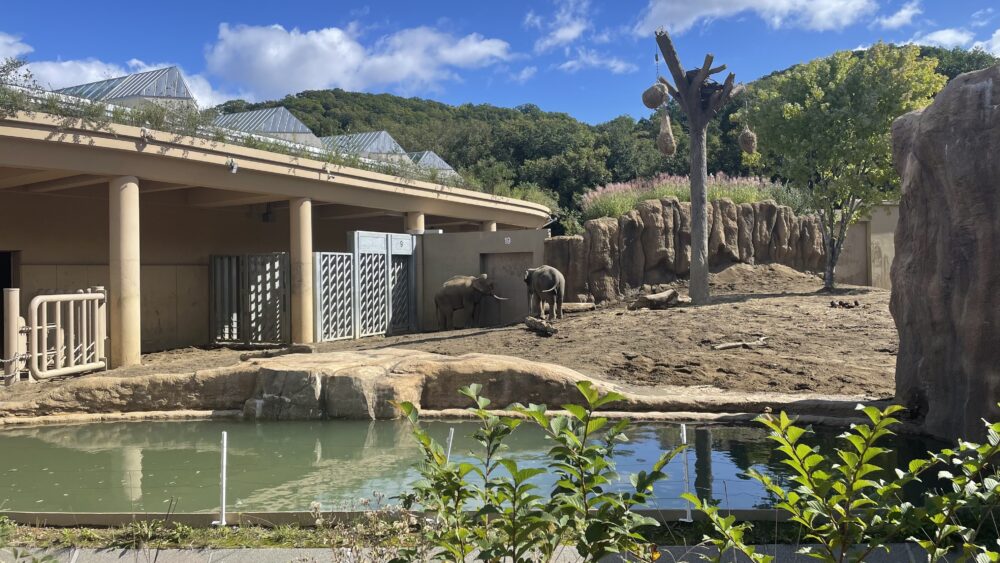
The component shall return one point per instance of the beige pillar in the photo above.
(124, 294)
(300, 210)
(414, 223)
(489, 226)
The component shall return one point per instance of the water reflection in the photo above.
(147, 466)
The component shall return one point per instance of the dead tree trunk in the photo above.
(701, 99)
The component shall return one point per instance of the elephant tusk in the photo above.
(553, 288)
(498, 298)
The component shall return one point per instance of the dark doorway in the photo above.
(8, 278)
(507, 272)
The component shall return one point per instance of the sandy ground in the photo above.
(810, 347)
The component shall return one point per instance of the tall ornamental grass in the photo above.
(613, 200)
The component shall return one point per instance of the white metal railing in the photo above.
(67, 333)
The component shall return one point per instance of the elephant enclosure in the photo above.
(810, 346)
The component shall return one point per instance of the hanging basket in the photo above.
(748, 140)
(665, 140)
(655, 96)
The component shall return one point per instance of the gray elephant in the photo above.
(466, 293)
(545, 285)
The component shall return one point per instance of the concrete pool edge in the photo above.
(307, 519)
(456, 415)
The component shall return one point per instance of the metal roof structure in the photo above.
(166, 83)
(275, 122)
(429, 159)
(267, 120)
(363, 144)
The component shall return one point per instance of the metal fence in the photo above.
(65, 334)
(250, 299)
(369, 291)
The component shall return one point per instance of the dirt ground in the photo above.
(810, 347)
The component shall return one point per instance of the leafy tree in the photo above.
(825, 127)
(952, 62)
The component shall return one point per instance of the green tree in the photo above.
(824, 126)
(952, 62)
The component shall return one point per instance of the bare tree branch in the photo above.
(716, 70)
(702, 75)
(673, 92)
(673, 61)
(721, 97)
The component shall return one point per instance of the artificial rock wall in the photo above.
(651, 245)
(946, 273)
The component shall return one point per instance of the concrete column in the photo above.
(414, 223)
(300, 211)
(488, 226)
(124, 294)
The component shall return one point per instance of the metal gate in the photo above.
(367, 292)
(334, 297)
(250, 296)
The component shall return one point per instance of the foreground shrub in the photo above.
(493, 508)
(847, 515)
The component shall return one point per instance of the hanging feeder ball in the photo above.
(655, 96)
(748, 140)
(665, 140)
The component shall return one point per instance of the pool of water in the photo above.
(277, 466)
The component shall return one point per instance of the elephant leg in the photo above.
(552, 306)
(559, 304)
(469, 308)
(442, 319)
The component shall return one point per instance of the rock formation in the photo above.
(651, 245)
(946, 275)
(366, 385)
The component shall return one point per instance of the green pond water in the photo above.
(278, 466)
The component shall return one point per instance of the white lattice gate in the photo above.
(334, 297)
(250, 299)
(367, 292)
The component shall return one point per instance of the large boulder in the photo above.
(746, 223)
(658, 259)
(946, 273)
(633, 259)
(569, 255)
(682, 244)
(285, 395)
(765, 216)
(603, 258)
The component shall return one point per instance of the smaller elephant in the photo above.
(545, 285)
(466, 293)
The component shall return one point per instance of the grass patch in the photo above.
(614, 200)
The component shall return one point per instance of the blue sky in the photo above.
(590, 59)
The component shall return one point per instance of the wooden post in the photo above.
(701, 99)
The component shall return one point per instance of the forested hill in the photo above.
(502, 147)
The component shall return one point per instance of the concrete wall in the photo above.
(445, 255)
(870, 249)
(63, 244)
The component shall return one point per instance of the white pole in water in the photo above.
(451, 436)
(684, 455)
(222, 478)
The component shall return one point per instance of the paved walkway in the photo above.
(783, 554)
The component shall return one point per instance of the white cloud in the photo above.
(570, 22)
(11, 46)
(901, 18)
(587, 58)
(532, 20)
(524, 74)
(991, 45)
(820, 15)
(982, 17)
(272, 61)
(948, 37)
